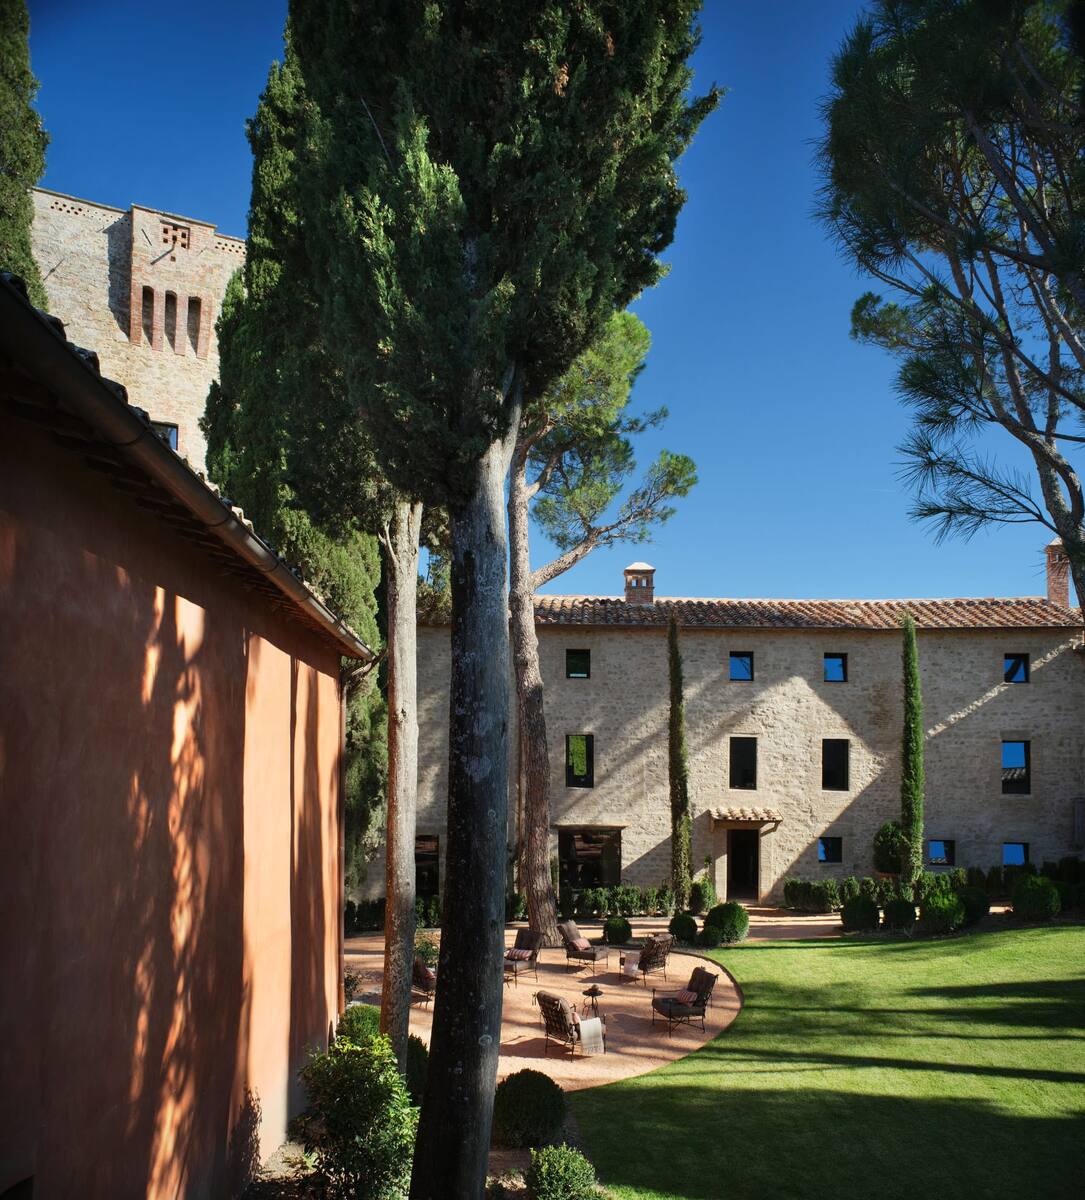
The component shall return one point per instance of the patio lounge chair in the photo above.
(578, 949)
(524, 956)
(562, 1022)
(688, 1005)
(653, 955)
(423, 981)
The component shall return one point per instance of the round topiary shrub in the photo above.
(529, 1110)
(1035, 898)
(684, 927)
(710, 936)
(731, 919)
(360, 1023)
(859, 915)
(617, 931)
(697, 896)
(560, 1173)
(899, 916)
(417, 1068)
(887, 843)
(941, 914)
(976, 903)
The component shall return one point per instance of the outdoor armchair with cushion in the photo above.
(653, 955)
(524, 955)
(578, 948)
(423, 980)
(562, 1022)
(687, 1005)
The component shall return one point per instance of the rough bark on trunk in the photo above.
(400, 545)
(531, 717)
(453, 1141)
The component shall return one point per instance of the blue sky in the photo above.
(793, 426)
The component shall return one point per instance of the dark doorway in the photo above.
(742, 859)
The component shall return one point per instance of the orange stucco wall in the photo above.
(169, 875)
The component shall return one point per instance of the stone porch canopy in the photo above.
(750, 818)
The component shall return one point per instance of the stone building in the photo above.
(143, 289)
(794, 719)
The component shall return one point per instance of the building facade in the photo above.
(143, 288)
(794, 713)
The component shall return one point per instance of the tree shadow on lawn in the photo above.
(691, 1142)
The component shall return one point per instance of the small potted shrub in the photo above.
(529, 1110)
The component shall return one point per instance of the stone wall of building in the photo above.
(143, 289)
(968, 711)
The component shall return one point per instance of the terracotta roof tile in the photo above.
(746, 814)
(1023, 612)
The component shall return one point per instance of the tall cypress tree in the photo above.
(22, 148)
(911, 762)
(490, 182)
(678, 773)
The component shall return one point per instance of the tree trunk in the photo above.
(531, 717)
(400, 545)
(453, 1141)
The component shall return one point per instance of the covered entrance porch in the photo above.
(742, 852)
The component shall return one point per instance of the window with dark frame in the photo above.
(836, 668)
(1016, 768)
(743, 763)
(941, 852)
(577, 664)
(427, 866)
(589, 857)
(1015, 668)
(167, 432)
(741, 666)
(830, 850)
(1014, 854)
(579, 760)
(834, 764)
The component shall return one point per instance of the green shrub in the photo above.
(515, 906)
(899, 916)
(433, 912)
(697, 902)
(560, 1173)
(976, 904)
(650, 901)
(684, 927)
(731, 919)
(976, 877)
(420, 912)
(1035, 898)
(887, 846)
(566, 902)
(625, 900)
(941, 914)
(868, 887)
(604, 901)
(427, 948)
(360, 1023)
(617, 931)
(958, 878)
(823, 896)
(792, 891)
(350, 915)
(666, 900)
(995, 884)
(1070, 869)
(585, 902)
(710, 936)
(352, 982)
(360, 1126)
(529, 1110)
(888, 889)
(417, 1068)
(859, 915)
(849, 889)
(1067, 894)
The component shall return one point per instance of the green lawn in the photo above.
(952, 1069)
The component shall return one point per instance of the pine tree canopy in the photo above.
(22, 148)
(490, 182)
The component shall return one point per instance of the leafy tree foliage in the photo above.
(953, 174)
(22, 148)
(678, 772)
(911, 762)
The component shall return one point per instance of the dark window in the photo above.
(836, 668)
(579, 760)
(742, 665)
(1015, 668)
(834, 764)
(170, 319)
(195, 316)
(941, 852)
(577, 664)
(744, 762)
(168, 433)
(147, 316)
(589, 857)
(830, 849)
(1014, 854)
(426, 866)
(1016, 768)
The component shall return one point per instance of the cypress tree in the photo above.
(911, 762)
(678, 773)
(22, 148)
(488, 184)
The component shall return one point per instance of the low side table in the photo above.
(592, 1001)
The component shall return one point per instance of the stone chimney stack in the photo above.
(1058, 574)
(640, 583)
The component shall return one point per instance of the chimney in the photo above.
(1058, 574)
(639, 583)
